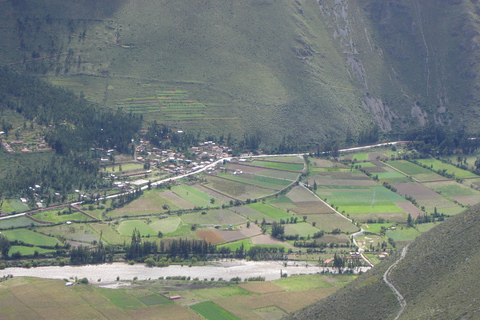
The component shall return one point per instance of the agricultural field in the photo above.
(195, 196)
(211, 311)
(277, 165)
(81, 232)
(269, 211)
(152, 202)
(428, 198)
(58, 216)
(19, 222)
(415, 171)
(31, 237)
(456, 191)
(258, 180)
(438, 165)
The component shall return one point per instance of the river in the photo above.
(226, 270)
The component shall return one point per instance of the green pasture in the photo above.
(120, 298)
(390, 174)
(277, 165)
(166, 226)
(328, 222)
(251, 214)
(303, 229)
(376, 227)
(126, 167)
(452, 188)
(292, 159)
(439, 165)
(31, 237)
(109, 234)
(269, 210)
(403, 234)
(126, 228)
(151, 202)
(183, 231)
(247, 244)
(392, 196)
(16, 205)
(258, 180)
(54, 216)
(360, 200)
(313, 281)
(211, 311)
(208, 294)
(217, 217)
(28, 251)
(196, 196)
(408, 167)
(19, 222)
(154, 299)
(82, 232)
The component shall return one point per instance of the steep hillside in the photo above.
(307, 69)
(438, 278)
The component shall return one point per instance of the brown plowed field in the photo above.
(409, 208)
(261, 287)
(210, 236)
(230, 235)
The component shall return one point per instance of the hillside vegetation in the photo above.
(289, 68)
(437, 277)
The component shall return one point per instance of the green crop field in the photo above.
(278, 165)
(53, 216)
(166, 226)
(120, 298)
(150, 203)
(19, 222)
(30, 237)
(247, 244)
(126, 228)
(77, 231)
(408, 167)
(196, 196)
(328, 222)
(109, 234)
(301, 228)
(439, 165)
(211, 311)
(258, 180)
(269, 210)
(28, 251)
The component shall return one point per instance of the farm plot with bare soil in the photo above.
(261, 287)
(177, 200)
(428, 198)
(409, 208)
(209, 235)
(266, 239)
(231, 235)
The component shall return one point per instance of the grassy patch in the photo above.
(121, 298)
(211, 311)
(28, 251)
(30, 237)
(269, 210)
(18, 222)
(278, 165)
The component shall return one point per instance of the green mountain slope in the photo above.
(308, 69)
(438, 278)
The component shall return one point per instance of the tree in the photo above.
(4, 245)
(409, 220)
(314, 185)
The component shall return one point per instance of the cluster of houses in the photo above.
(42, 146)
